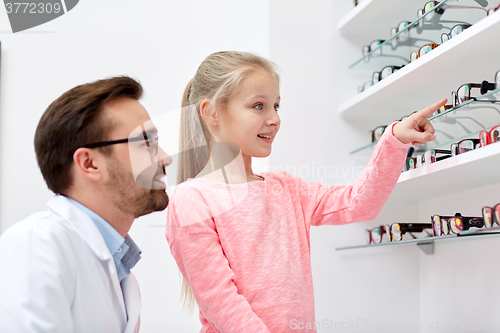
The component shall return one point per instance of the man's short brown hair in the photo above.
(74, 120)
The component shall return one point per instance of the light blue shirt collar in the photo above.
(125, 252)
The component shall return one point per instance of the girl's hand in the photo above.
(416, 129)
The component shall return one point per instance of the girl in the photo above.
(240, 239)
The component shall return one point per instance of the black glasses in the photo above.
(464, 92)
(152, 145)
(464, 146)
(431, 156)
(372, 46)
(491, 215)
(397, 230)
(456, 30)
(445, 225)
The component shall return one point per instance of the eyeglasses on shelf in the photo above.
(375, 235)
(424, 49)
(379, 76)
(445, 225)
(372, 46)
(431, 8)
(396, 231)
(489, 137)
(455, 31)
(464, 146)
(470, 91)
(492, 10)
(491, 215)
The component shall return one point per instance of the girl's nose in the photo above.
(274, 119)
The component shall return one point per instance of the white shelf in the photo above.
(463, 59)
(465, 171)
(380, 16)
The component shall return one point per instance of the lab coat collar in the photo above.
(82, 223)
(130, 293)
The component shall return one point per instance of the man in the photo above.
(67, 269)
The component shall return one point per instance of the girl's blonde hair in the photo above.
(217, 79)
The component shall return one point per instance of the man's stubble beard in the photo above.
(130, 198)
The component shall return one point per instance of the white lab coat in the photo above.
(57, 275)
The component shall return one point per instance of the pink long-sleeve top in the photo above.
(244, 248)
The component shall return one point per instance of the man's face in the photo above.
(134, 170)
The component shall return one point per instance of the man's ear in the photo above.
(208, 114)
(88, 163)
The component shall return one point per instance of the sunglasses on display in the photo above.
(424, 49)
(446, 225)
(455, 31)
(491, 216)
(489, 137)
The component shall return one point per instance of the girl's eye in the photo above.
(258, 106)
(277, 107)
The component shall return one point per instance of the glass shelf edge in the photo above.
(396, 35)
(479, 232)
(478, 99)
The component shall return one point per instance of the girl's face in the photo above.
(251, 117)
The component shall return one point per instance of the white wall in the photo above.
(159, 42)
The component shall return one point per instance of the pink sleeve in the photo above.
(201, 260)
(363, 200)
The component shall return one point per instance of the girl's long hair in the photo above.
(217, 79)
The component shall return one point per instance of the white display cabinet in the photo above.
(470, 57)
(453, 271)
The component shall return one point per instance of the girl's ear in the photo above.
(208, 114)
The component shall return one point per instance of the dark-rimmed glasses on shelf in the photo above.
(424, 49)
(489, 137)
(491, 215)
(377, 132)
(372, 46)
(396, 231)
(431, 156)
(464, 146)
(431, 7)
(384, 73)
(404, 36)
(375, 235)
(152, 145)
(464, 92)
(445, 225)
(455, 31)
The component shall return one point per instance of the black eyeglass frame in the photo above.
(467, 222)
(408, 228)
(153, 149)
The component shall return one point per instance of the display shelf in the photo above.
(388, 41)
(461, 122)
(463, 59)
(473, 169)
(375, 15)
(429, 241)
